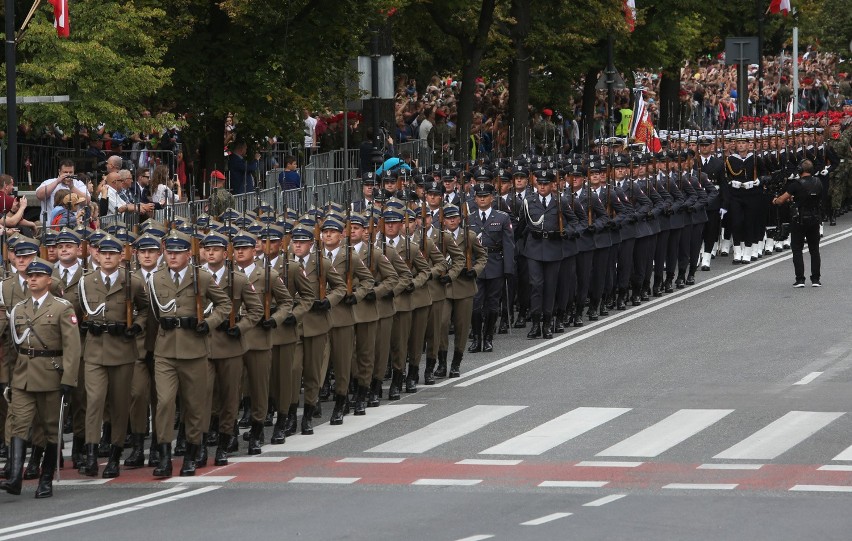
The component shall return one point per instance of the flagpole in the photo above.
(795, 69)
(11, 97)
(760, 19)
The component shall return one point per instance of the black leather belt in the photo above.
(113, 328)
(495, 250)
(554, 235)
(169, 323)
(30, 352)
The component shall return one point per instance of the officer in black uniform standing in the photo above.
(805, 193)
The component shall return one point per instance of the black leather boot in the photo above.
(667, 285)
(374, 398)
(621, 300)
(488, 332)
(658, 286)
(213, 432)
(559, 322)
(360, 407)
(411, 379)
(106, 441)
(188, 467)
(279, 434)
(137, 455)
(90, 468)
(308, 420)
(454, 366)
(476, 330)
(503, 326)
(441, 370)
(520, 320)
(396, 385)
(111, 470)
(201, 457)
(245, 420)
(604, 306)
(78, 452)
(429, 372)
(33, 469)
(592, 313)
(255, 436)
(153, 451)
(12, 483)
(547, 327)
(325, 390)
(291, 423)
(680, 283)
(337, 412)
(535, 331)
(180, 441)
(221, 458)
(45, 482)
(832, 218)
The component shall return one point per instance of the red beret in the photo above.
(547, 112)
(440, 113)
(218, 175)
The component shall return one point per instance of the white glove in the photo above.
(824, 172)
(748, 185)
(736, 184)
(722, 213)
(756, 182)
(7, 394)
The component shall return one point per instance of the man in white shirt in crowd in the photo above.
(64, 179)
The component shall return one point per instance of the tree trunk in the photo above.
(588, 105)
(519, 75)
(668, 98)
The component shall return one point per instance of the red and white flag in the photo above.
(643, 127)
(780, 6)
(630, 13)
(60, 18)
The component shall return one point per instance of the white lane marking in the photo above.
(325, 480)
(476, 538)
(250, 459)
(605, 500)
(545, 519)
(821, 488)
(729, 467)
(200, 479)
(93, 510)
(662, 436)
(608, 464)
(446, 430)
(81, 482)
(629, 316)
(447, 482)
(573, 484)
(486, 462)
(809, 378)
(555, 432)
(844, 455)
(372, 460)
(326, 434)
(780, 436)
(835, 467)
(115, 512)
(701, 486)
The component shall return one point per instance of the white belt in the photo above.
(737, 185)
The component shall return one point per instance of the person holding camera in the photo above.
(805, 195)
(64, 179)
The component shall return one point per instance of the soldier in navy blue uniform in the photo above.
(678, 220)
(741, 199)
(545, 220)
(494, 230)
(601, 234)
(691, 241)
(368, 185)
(518, 194)
(710, 166)
(631, 227)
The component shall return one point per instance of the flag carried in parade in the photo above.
(643, 127)
(60, 18)
(630, 13)
(777, 6)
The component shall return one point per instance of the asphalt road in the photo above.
(720, 411)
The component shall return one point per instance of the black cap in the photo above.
(483, 188)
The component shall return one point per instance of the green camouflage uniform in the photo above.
(840, 187)
(220, 201)
(544, 137)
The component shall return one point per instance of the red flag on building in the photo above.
(60, 18)
(779, 6)
(630, 13)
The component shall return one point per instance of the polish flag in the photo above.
(643, 127)
(60, 18)
(630, 13)
(780, 5)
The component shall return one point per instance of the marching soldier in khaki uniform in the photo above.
(257, 359)
(369, 311)
(69, 271)
(178, 295)
(149, 251)
(44, 330)
(228, 342)
(116, 305)
(460, 292)
(286, 348)
(358, 281)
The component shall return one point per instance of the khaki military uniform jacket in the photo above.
(106, 349)
(52, 327)
(258, 338)
(386, 280)
(299, 287)
(247, 305)
(343, 314)
(185, 343)
(412, 269)
(315, 323)
(464, 287)
(452, 260)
